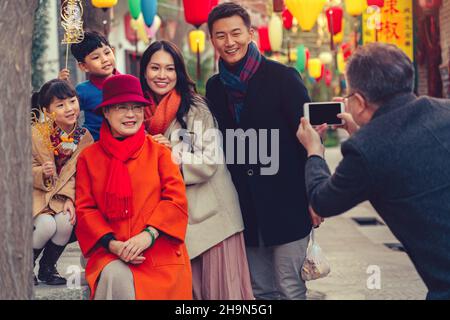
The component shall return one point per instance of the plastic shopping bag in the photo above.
(316, 265)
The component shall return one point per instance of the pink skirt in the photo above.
(222, 273)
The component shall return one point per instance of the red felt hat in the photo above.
(121, 88)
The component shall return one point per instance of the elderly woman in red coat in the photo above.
(131, 206)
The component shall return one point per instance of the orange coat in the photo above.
(159, 200)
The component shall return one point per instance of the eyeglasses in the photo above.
(348, 97)
(352, 94)
(138, 109)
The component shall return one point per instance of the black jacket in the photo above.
(275, 204)
(400, 162)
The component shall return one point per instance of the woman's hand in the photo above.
(162, 140)
(116, 247)
(48, 169)
(135, 246)
(138, 260)
(70, 209)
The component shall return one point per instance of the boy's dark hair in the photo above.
(92, 40)
(226, 10)
(52, 89)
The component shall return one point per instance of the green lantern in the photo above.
(301, 58)
(135, 8)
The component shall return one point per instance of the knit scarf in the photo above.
(159, 117)
(98, 82)
(236, 83)
(119, 193)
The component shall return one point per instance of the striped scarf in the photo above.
(236, 83)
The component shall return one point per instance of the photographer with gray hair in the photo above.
(398, 158)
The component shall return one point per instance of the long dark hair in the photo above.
(55, 88)
(185, 87)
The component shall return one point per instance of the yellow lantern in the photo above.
(275, 32)
(341, 62)
(104, 4)
(197, 41)
(139, 26)
(293, 55)
(315, 68)
(326, 57)
(305, 11)
(355, 7)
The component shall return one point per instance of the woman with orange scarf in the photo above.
(180, 119)
(131, 205)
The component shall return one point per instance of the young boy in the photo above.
(95, 57)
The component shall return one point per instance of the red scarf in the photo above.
(119, 193)
(98, 82)
(159, 117)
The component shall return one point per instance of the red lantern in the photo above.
(322, 73)
(328, 77)
(430, 4)
(307, 56)
(346, 50)
(196, 11)
(278, 5)
(130, 34)
(378, 3)
(334, 18)
(288, 19)
(264, 42)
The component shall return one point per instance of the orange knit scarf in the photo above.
(159, 117)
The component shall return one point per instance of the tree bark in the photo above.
(96, 19)
(16, 26)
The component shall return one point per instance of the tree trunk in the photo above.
(96, 19)
(16, 27)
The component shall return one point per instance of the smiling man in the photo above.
(253, 93)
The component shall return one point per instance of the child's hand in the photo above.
(70, 209)
(64, 74)
(49, 169)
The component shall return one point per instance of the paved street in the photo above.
(351, 249)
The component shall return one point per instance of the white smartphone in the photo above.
(323, 112)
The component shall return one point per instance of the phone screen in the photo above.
(324, 113)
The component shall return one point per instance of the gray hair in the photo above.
(379, 71)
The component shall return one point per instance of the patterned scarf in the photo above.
(157, 118)
(119, 193)
(236, 83)
(65, 144)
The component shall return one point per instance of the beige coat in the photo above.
(49, 194)
(213, 203)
